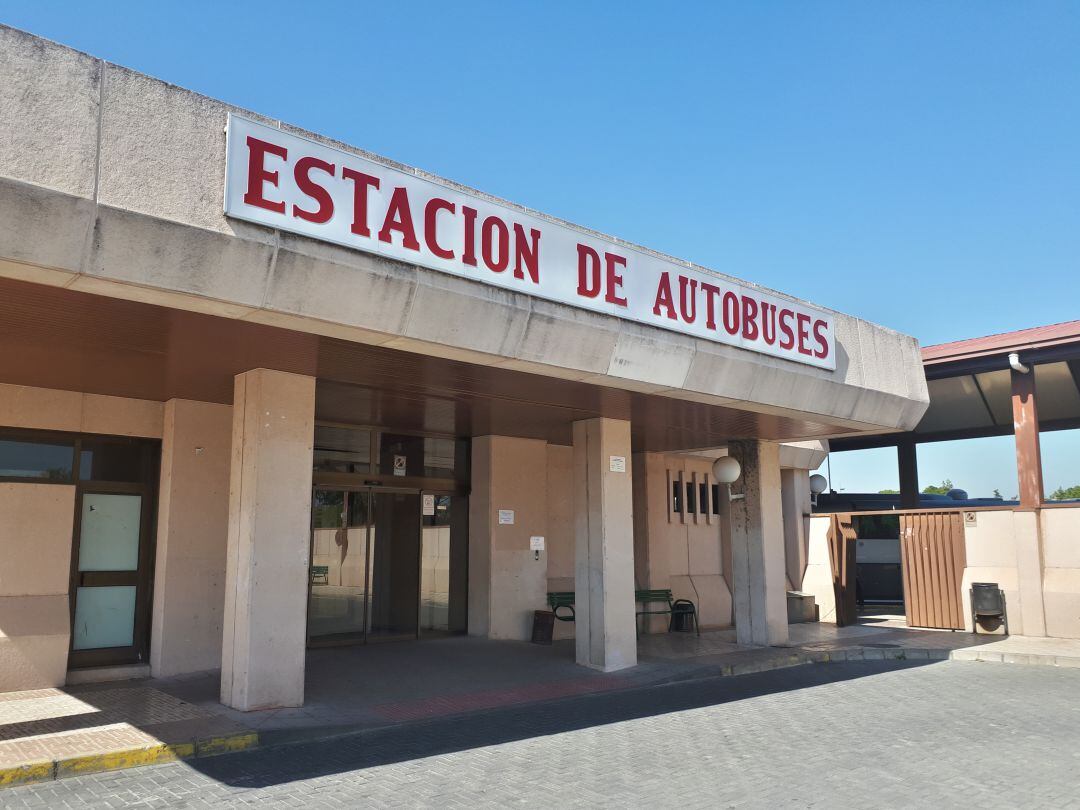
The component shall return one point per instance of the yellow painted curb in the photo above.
(118, 760)
(227, 745)
(25, 774)
(129, 758)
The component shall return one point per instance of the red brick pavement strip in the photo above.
(446, 705)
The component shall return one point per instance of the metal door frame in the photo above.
(369, 488)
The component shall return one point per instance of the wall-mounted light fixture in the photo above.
(818, 484)
(726, 470)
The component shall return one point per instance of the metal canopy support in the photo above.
(1026, 430)
(909, 473)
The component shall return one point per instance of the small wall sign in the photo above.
(971, 518)
(399, 465)
(429, 505)
(536, 544)
(617, 464)
(506, 517)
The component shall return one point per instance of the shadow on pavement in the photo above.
(375, 747)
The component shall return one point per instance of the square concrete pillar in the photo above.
(604, 557)
(263, 645)
(795, 497)
(193, 532)
(757, 546)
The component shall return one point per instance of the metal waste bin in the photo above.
(683, 616)
(543, 626)
(988, 605)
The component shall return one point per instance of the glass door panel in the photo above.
(338, 574)
(395, 565)
(104, 617)
(110, 532)
(110, 529)
(443, 564)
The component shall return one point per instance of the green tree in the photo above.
(888, 492)
(997, 493)
(943, 489)
(1065, 493)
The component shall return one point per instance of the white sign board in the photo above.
(506, 517)
(617, 463)
(295, 184)
(399, 465)
(429, 505)
(536, 544)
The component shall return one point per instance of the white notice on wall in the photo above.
(429, 505)
(506, 517)
(399, 465)
(536, 544)
(617, 463)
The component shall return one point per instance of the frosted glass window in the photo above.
(104, 617)
(109, 537)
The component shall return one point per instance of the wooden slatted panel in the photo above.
(842, 560)
(932, 561)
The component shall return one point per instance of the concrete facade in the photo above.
(111, 188)
(128, 204)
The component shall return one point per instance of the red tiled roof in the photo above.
(1036, 337)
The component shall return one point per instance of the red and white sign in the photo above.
(294, 184)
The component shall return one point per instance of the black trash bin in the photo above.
(988, 605)
(543, 626)
(683, 616)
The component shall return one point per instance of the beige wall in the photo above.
(193, 526)
(818, 577)
(1061, 574)
(506, 583)
(684, 552)
(991, 549)
(22, 406)
(560, 537)
(35, 558)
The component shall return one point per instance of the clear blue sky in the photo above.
(913, 163)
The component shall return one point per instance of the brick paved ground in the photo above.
(886, 734)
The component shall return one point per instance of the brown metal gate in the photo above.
(842, 558)
(932, 559)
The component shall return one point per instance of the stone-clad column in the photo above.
(757, 545)
(604, 530)
(263, 645)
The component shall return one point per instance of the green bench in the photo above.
(564, 600)
(671, 605)
(320, 575)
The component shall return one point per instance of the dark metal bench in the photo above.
(564, 600)
(671, 606)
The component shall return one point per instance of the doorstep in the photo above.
(127, 672)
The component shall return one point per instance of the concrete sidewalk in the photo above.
(52, 733)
